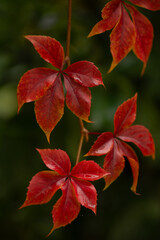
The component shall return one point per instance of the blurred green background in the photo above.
(121, 215)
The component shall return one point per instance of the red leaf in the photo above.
(122, 38)
(66, 208)
(127, 35)
(102, 145)
(78, 98)
(144, 35)
(128, 152)
(50, 108)
(140, 136)
(85, 193)
(42, 188)
(85, 73)
(75, 190)
(110, 14)
(88, 170)
(149, 4)
(56, 160)
(45, 87)
(114, 163)
(125, 114)
(49, 49)
(34, 84)
(116, 150)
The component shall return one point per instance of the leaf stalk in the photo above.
(67, 58)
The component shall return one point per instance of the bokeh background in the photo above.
(120, 213)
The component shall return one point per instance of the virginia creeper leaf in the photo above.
(66, 208)
(149, 4)
(110, 14)
(78, 98)
(56, 160)
(113, 163)
(49, 49)
(85, 73)
(122, 39)
(140, 136)
(85, 193)
(49, 109)
(116, 149)
(44, 86)
(75, 189)
(103, 145)
(34, 84)
(88, 170)
(128, 152)
(144, 36)
(125, 114)
(42, 188)
(128, 34)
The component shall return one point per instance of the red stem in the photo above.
(84, 132)
(67, 59)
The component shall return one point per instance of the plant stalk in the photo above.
(84, 132)
(67, 58)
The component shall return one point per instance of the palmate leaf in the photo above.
(152, 5)
(116, 149)
(75, 186)
(122, 38)
(44, 86)
(133, 32)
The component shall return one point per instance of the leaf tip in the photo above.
(113, 65)
(134, 191)
(105, 187)
(18, 110)
(143, 69)
(86, 155)
(95, 210)
(48, 136)
(50, 232)
(90, 34)
(23, 205)
(153, 156)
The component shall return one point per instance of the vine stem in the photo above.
(67, 59)
(84, 131)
